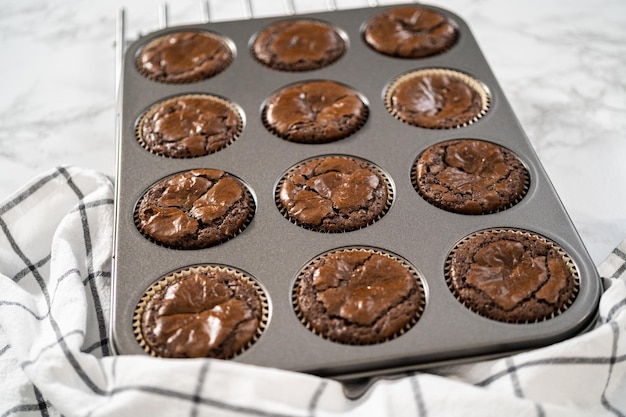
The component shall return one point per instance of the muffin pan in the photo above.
(273, 250)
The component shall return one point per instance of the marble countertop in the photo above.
(561, 64)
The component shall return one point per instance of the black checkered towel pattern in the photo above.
(55, 273)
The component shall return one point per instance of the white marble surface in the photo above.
(561, 63)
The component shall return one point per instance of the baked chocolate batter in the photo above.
(315, 112)
(194, 209)
(409, 32)
(435, 100)
(298, 45)
(206, 314)
(470, 177)
(359, 297)
(184, 57)
(511, 276)
(334, 194)
(189, 126)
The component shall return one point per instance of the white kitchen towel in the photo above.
(55, 276)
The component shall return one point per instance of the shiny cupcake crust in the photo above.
(194, 209)
(470, 176)
(409, 32)
(437, 98)
(298, 45)
(201, 312)
(184, 57)
(358, 296)
(334, 193)
(189, 126)
(317, 111)
(512, 276)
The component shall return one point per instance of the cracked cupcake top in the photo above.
(194, 209)
(511, 276)
(315, 112)
(184, 57)
(207, 311)
(470, 176)
(409, 32)
(437, 98)
(334, 194)
(189, 126)
(298, 45)
(358, 296)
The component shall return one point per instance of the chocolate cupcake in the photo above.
(512, 276)
(409, 32)
(469, 176)
(189, 126)
(298, 45)
(184, 57)
(334, 194)
(358, 296)
(194, 209)
(315, 112)
(437, 99)
(207, 311)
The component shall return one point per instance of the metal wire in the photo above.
(163, 16)
(120, 47)
(205, 11)
(247, 9)
(290, 7)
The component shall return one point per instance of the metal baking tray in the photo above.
(273, 250)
